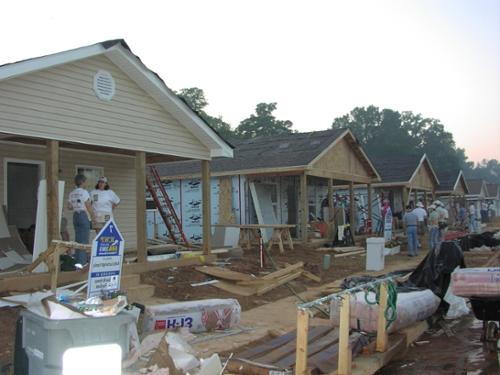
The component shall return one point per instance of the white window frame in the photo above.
(6, 161)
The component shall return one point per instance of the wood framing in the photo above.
(352, 207)
(304, 207)
(345, 352)
(302, 341)
(207, 222)
(382, 336)
(370, 204)
(225, 201)
(52, 190)
(331, 213)
(140, 203)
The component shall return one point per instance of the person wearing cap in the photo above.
(422, 217)
(79, 203)
(104, 201)
(443, 218)
(472, 219)
(410, 222)
(433, 227)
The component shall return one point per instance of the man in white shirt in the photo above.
(422, 217)
(472, 219)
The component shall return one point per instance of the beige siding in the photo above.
(60, 103)
(423, 179)
(119, 170)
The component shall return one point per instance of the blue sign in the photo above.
(106, 261)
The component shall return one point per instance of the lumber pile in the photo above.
(248, 285)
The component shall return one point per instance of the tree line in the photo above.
(381, 132)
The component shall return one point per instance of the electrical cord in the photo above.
(390, 312)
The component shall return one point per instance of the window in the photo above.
(92, 174)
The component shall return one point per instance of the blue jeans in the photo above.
(411, 233)
(433, 238)
(82, 231)
(472, 224)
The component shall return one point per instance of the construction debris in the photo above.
(248, 285)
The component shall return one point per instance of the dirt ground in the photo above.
(175, 283)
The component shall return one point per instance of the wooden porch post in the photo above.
(405, 197)
(415, 197)
(370, 199)
(331, 213)
(425, 199)
(207, 215)
(352, 208)
(433, 194)
(140, 205)
(304, 207)
(53, 191)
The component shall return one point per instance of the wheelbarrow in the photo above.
(487, 309)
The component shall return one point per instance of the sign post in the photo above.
(106, 261)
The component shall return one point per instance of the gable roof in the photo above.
(287, 151)
(401, 169)
(121, 55)
(450, 179)
(475, 186)
(492, 189)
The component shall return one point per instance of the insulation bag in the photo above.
(197, 316)
(411, 307)
(476, 282)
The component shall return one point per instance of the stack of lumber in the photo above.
(344, 251)
(279, 353)
(248, 285)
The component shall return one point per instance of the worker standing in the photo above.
(472, 218)
(79, 202)
(422, 218)
(442, 219)
(433, 227)
(410, 222)
(104, 201)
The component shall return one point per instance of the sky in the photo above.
(316, 59)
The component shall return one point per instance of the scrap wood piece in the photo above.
(277, 354)
(284, 271)
(350, 253)
(313, 347)
(224, 273)
(240, 290)
(283, 280)
(347, 249)
(311, 276)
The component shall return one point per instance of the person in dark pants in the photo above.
(79, 202)
(410, 223)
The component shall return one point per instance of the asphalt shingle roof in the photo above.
(395, 169)
(492, 189)
(289, 150)
(447, 179)
(475, 185)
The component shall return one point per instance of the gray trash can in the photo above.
(46, 340)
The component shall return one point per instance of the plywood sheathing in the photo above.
(225, 201)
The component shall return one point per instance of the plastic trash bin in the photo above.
(375, 253)
(46, 340)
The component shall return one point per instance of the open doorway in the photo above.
(22, 178)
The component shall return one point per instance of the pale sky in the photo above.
(316, 59)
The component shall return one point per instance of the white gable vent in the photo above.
(104, 85)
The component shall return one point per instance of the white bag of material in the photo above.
(476, 282)
(197, 316)
(411, 307)
(458, 305)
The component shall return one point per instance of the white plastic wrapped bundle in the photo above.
(476, 282)
(411, 307)
(197, 316)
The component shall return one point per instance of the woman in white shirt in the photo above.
(104, 201)
(79, 202)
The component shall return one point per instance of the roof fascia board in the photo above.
(242, 172)
(135, 69)
(40, 63)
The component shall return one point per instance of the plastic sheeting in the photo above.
(411, 308)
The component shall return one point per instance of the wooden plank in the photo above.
(330, 223)
(225, 200)
(301, 344)
(348, 249)
(283, 280)
(273, 356)
(313, 347)
(283, 271)
(24, 282)
(224, 273)
(311, 276)
(54, 268)
(382, 335)
(205, 201)
(350, 253)
(370, 199)
(326, 361)
(140, 205)
(344, 363)
(241, 290)
(352, 208)
(52, 190)
(268, 345)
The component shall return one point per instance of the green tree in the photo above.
(263, 123)
(195, 99)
